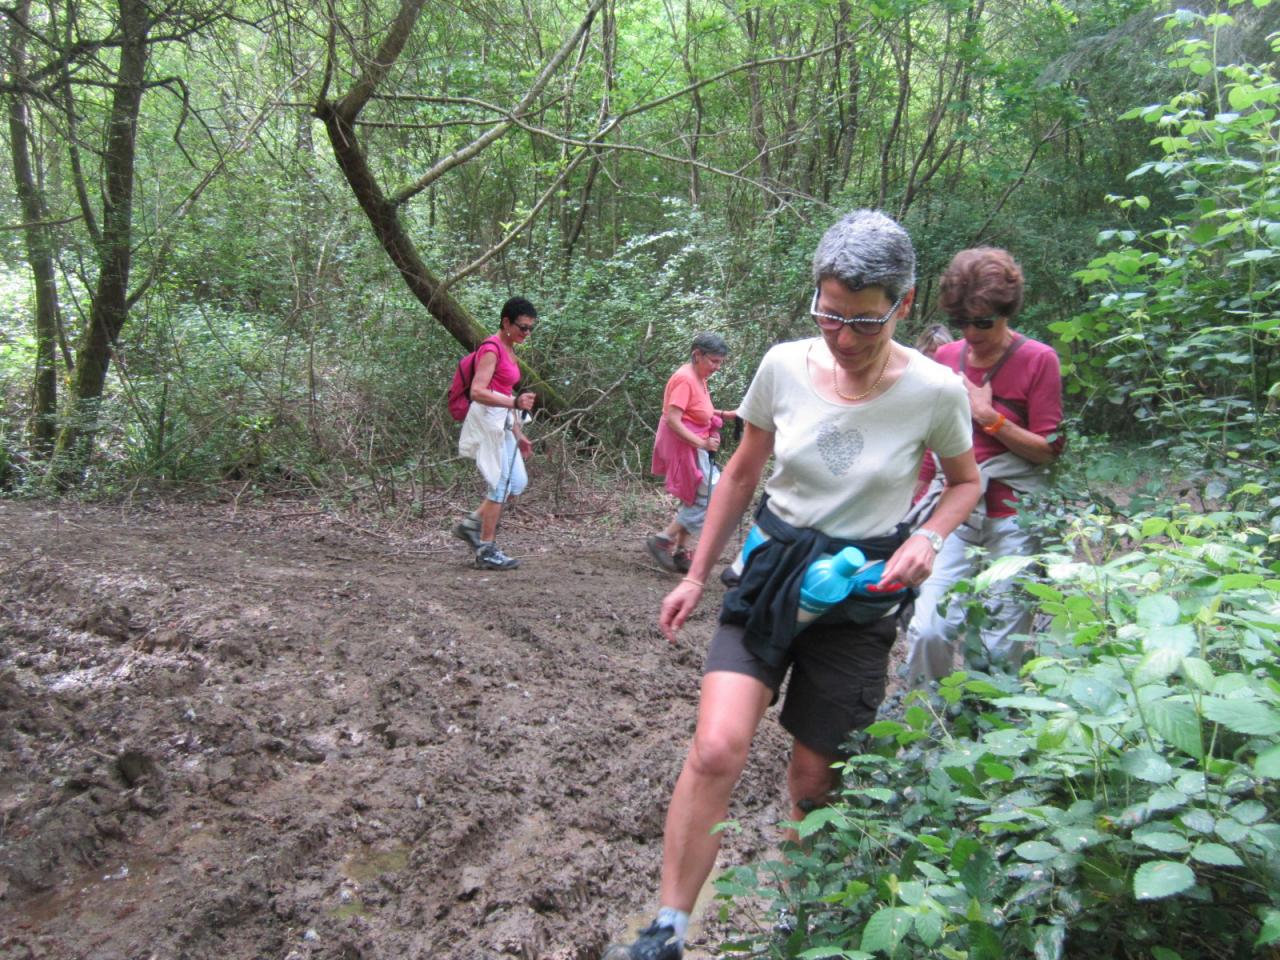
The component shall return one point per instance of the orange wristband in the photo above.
(995, 425)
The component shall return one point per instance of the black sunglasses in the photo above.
(522, 328)
(986, 323)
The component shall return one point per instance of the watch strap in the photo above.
(934, 538)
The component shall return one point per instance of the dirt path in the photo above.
(271, 734)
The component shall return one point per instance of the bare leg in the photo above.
(728, 714)
(810, 780)
(490, 513)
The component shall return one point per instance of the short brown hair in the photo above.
(982, 282)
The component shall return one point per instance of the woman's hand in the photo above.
(984, 411)
(910, 564)
(525, 401)
(525, 446)
(676, 607)
(711, 442)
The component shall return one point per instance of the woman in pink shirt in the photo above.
(1015, 395)
(492, 434)
(688, 435)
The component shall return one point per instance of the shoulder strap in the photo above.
(1009, 351)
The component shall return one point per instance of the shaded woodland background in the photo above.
(249, 241)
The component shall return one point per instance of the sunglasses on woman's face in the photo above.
(985, 323)
(523, 328)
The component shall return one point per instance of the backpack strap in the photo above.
(474, 357)
(1017, 407)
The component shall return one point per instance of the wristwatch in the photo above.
(934, 538)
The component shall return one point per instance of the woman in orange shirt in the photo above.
(688, 437)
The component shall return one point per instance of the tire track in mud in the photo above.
(343, 746)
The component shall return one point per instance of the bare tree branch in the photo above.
(463, 154)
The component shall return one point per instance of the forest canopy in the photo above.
(251, 240)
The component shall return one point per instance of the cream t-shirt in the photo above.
(850, 471)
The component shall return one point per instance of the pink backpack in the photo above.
(460, 387)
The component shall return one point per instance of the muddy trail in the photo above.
(273, 733)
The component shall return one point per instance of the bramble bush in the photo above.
(1118, 799)
(1183, 338)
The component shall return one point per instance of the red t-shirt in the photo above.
(686, 391)
(1027, 389)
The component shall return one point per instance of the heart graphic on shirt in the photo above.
(839, 448)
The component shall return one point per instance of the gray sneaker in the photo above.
(489, 557)
(654, 943)
(659, 548)
(469, 531)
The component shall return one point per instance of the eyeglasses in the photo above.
(984, 323)
(522, 328)
(867, 326)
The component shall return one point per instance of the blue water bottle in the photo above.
(866, 582)
(733, 575)
(827, 582)
(755, 537)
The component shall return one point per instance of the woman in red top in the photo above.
(688, 435)
(492, 435)
(1015, 396)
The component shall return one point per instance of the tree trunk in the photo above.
(109, 307)
(40, 246)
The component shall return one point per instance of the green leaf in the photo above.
(1036, 851)
(1243, 716)
(815, 820)
(1162, 878)
(1176, 722)
(1216, 854)
(1198, 672)
(997, 771)
(1075, 839)
(1267, 763)
(1201, 821)
(1155, 665)
(1180, 637)
(1270, 932)
(928, 927)
(1167, 798)
(1158, 838)
(832, 950)
(1250, 811)
(886, 929)
(1164, 953)
(885, 728)
(1145, 764)
(1158, 611)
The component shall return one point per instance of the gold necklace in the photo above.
(835, 385)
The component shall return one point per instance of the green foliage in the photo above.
(1184, 338)
(1120, 800)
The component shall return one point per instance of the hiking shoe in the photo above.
(469, 531)
(729, 578)
(659, 548)
(682, 559)
(489, 557)
(654, 943)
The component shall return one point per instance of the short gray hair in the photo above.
(711, 343)
(867, 249)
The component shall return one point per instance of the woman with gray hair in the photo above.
(684, 449)
(846, 416)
